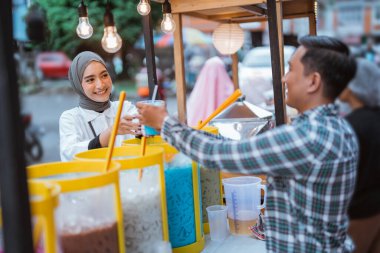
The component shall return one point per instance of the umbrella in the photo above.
(140, 41)
(191, 36)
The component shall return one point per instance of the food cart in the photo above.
(14, 200)
(224, 11)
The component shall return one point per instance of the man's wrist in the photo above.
(162, 122)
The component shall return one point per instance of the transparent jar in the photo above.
(211, 186)
(43, 204)
(143, 201)
(183, 197)
(89, 217)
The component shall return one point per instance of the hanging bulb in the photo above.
(111, 41)
(143, 8)
(84, 28)
(167, 24)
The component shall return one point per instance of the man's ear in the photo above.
(315, 83)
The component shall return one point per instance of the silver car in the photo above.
(255, 75)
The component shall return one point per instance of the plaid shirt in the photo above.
(311, 169)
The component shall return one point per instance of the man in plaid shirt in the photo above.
(310, 164)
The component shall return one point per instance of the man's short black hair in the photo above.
(331, 59)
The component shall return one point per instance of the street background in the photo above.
(43, 39)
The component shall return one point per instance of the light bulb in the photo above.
(84, 28)
(111, 41)
(143, 8)
(167, 24)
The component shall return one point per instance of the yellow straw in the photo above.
(143, 147)
(223, 106)
(114, 130)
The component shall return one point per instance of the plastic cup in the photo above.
(217, 218)
(147, 130)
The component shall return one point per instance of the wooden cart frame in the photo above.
(223, 11)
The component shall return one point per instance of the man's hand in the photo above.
(151, 115)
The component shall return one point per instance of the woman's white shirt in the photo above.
(78, 126)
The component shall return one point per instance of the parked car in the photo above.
(255, 74)
(53, 64)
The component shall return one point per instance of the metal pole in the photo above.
(276, 63)
(13, 186)
(149, 53)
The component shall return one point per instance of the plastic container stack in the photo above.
(143, 201)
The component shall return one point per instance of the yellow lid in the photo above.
(99, 178)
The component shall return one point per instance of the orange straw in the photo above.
(143, 148)
(223, 106)
(114, 130)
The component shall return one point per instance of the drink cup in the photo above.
(147, 130)
(217, 218)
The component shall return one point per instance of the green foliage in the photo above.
(62, 19)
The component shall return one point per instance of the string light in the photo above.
(84, 29)
(111, 41)
(143, 8)
(167, 24)
(316, 10)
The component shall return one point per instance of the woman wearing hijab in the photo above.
(89, 125)
(363, 96)
(212, 87)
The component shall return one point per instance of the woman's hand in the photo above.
(129, 125)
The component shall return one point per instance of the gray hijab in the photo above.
(76, 71)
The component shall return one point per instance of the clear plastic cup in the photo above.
(147, 130)
(217, 218)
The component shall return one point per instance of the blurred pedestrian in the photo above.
(310, 164)
(118, 63)
(369, 52)
(212, 87)
(143, 81)
(89, 125)
(363, 96)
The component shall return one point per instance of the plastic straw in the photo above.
(114, 130)
(223, 106)
(199, 124)
(143, 148)
(143, 139)
(154, 93)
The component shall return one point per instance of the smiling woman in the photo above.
(89, 125)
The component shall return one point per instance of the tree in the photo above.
(62, 17)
